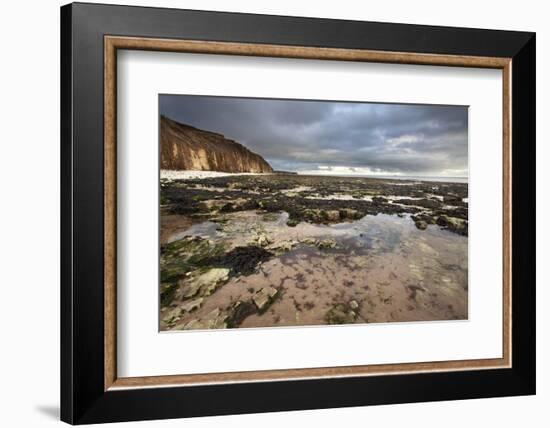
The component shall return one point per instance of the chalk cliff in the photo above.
(184, 147)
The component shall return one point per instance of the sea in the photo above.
(402, 177)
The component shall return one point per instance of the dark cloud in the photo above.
(303, 135)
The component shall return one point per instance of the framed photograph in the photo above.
(265, 213)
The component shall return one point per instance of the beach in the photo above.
(267, 250)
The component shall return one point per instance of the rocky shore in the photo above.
(284, 250)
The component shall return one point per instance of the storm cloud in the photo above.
(335, 137)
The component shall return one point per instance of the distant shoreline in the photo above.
(191, 175)
(167, 174)
(397, 177)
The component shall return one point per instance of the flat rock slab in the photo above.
(264, 297)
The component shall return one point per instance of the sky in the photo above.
(341, 138)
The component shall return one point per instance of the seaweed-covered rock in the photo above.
(283, 246)
(171, 316)
(181, 256)
(331, 215)
(263, 240)
(453, 224)
(349, 214)
(184, 260)
(421, 224)
(239, 311)
(340, 314)
(326, 244)
(292, 222)
(425, 203)
(378, 200)
(453, 200)
(242, 260)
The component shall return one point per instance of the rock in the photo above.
(209, 289)
(172, 316)
(263, 240)
(309, 241)
(239, 312)
(340, 314)
(263, 298)
(184, 147)
(212, 320)
(211, 204)
(187, 288)
(191, 325)
(283, 246)
(421, 224)
(213, 276)
(215, 319)
(191, 305)
(453, 200)
(353, 304)
(205, 283)
(326, 244)
(314, 215)
(331, 215)
(167, 292)
(428, 203)
(413, 291)
(453, 224)
(242, 260)
(425, 203)
(379, 200)
(286, 246)
(423, 217)
(292, 222)
(240, 204)
(348, 213)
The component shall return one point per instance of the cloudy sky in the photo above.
(335, 137)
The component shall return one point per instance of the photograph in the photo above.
(267, 210)
(279, 212)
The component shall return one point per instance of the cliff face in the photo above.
(183, 147)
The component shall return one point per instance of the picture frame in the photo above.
(91, 390)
